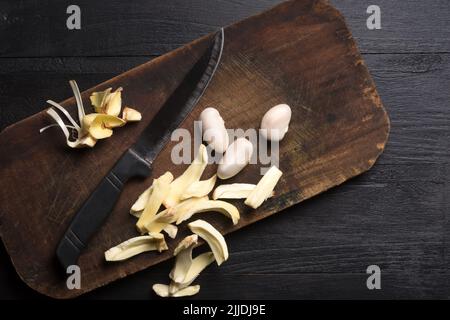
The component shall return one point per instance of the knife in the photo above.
(137, 160)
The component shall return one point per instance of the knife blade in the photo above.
(137, 160)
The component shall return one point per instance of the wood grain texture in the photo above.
(18, 76)
(143, 27)
(395, 215)
(419, 131)
(139, 27)
(414, 88)
(338, 131)
(407, 26)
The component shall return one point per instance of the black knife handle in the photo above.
(98, 206)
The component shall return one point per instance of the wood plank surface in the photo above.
(339, 128)
(406, 224)
(142, 27)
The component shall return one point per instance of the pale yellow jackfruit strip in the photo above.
(135, 246)
(162, 220)
(191, 175)
(171, 230)
(199, 188)
(222, 207)
(162, 290)
(183, 260)
(264, 188)
(139, 205)
(213, 237)
(160, 191)
(198, 264)
(233, 191)
(174, 213)
(186, 269)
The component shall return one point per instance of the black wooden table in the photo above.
(395, 216)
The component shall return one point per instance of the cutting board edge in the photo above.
(372, 95)
(369, 164)
(157, 60)
(70, 295)
(104, 83)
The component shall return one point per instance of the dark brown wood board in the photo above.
(300, 53)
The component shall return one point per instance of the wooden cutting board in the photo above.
(300, 53)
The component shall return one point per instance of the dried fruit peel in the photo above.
(107, 102)
(264, 188)
(85, 141)
(131, 115)
(83, 138)
(99, 125)
(113, 103)
(98, 100)
(78, 99)
(94, 126)
(67, 114)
